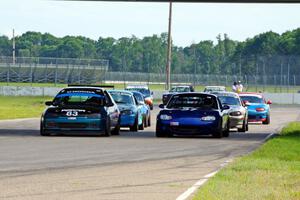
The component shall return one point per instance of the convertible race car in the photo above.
(144, 89)
(81, 109)
(131, 115)
(238, 112)
(193, 114)
(258, 107)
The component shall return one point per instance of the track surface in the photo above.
(129, 166)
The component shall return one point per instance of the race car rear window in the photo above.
(193, 101)
(180, 89)
(79, 98)
(252, 99)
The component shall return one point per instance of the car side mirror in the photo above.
(225, 107)
(49, 103)
(269, 102)
(151, 93)
(162, 106)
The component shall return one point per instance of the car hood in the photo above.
(190, 113)
(253, 106)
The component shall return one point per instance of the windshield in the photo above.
(193, 101)
(252, 99)
(81, 99)
(144, 91)
(229, 100)
(180, 89)
(122, 97)
(138, 97)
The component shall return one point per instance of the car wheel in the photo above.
(107, 128)
(149, 121)
(116, 130)
(267, 120)
(244, 127)
(141, 127)
(227, 131)
(42, 131)
(145, 122)
(151, 107)
(135, 126)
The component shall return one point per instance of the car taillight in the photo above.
(260, 109)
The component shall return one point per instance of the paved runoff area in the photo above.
(131, 166)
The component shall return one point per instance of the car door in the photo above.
(112, 111)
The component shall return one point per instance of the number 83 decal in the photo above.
(72, 113)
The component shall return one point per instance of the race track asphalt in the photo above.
(130, 166)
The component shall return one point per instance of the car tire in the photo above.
(135, 126)
(116, 130)
(151, 107)
(244, 127)
(219, 132)
(149, 121)
(145, 121)
(227, 131)
(141, 127)
(42, 131)
(107, 128)
(267, 120)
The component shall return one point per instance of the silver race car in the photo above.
(238, 112)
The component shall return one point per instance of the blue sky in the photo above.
(191, 22)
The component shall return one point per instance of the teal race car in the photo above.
(131, 114)
(81, 110)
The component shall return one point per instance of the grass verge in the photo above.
(21, 106)
(270, 173)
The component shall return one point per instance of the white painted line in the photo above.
(200, 182)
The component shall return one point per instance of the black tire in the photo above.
(149, 121)
(218, 134)
(116, 130)
(227, 131)
(145, 122)
(107, 132)
(141, 127)
(135, 126)
(42, 131)
(267, 120)
(244, 127)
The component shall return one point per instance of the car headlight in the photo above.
(236, 113)
(127, 112)
(208, 118)
(165, 117)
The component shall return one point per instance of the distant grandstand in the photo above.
(52, 70)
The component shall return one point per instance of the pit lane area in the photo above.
(129, 166)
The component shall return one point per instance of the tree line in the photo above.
(263, 52)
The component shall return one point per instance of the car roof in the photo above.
(251, 94)
(226, 94)
(214, 86)
(123, 91)
(195, 93)
(137, 86)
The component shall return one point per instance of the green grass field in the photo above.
(270, 173)
(161, 87)
(21, 107)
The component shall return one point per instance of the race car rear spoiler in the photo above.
(101, 86)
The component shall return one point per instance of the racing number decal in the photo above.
(72, 113)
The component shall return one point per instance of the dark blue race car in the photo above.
(85, 110)
(193, 114)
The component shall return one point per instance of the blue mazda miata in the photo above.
(191, 114)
